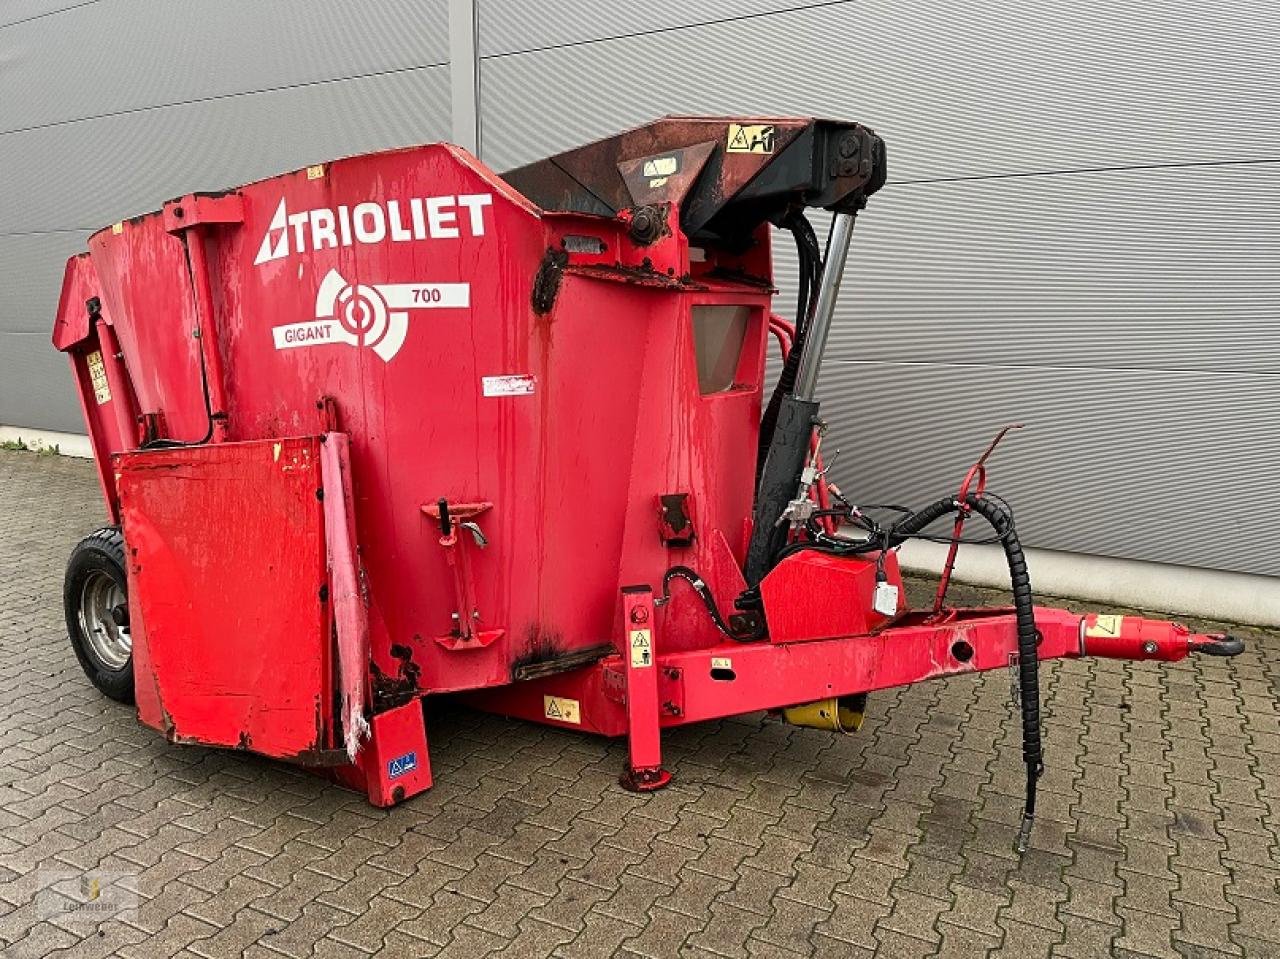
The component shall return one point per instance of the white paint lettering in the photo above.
(475, 204)
(299, 223)
(370, 222)
(429, 218)
(419, 221)
(344, 225)
(441, 220)
(398, 233)
(322, 231)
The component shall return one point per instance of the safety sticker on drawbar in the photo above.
(512, 384)
(751, 138)
(561, 709)
(1105, 626)
(401, 765)
(98, 377)
(641, 648)
(373, 316)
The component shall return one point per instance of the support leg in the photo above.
(643, 772)
(393, 764)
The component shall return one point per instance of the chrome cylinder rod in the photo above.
(815, 343)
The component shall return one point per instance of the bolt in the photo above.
(1150, 648)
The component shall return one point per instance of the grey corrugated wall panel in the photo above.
(31, 268)
(1153, 269)
(956, 89)
(1130, 318)
(105, 85)
(136, 54)
(513, 26)
(1169, 467)
(88, 174)
(35, 384)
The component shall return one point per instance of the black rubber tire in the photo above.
(99, 552)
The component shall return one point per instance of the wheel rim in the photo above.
(111, 644)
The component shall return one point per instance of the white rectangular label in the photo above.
(513, 384)
(425, 296)
(641, 648)
(310, 333)
(98, 377)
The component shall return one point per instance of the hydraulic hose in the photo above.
(809, 258)
(704, 593)
(1000, 519)
(1028, 653)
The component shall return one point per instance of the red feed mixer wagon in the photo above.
(398, 425)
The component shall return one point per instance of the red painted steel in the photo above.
(644, 772)
(227, 591)
(300, 371)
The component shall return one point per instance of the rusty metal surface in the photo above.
(725, 175)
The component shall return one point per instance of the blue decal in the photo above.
(401, 765)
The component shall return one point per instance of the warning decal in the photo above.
(641, 648)
(750, 138)
(565, 710)
(1105, 626)
(98, 377)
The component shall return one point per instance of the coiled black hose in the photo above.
(997, 514)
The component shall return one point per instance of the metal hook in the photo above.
(476, 533)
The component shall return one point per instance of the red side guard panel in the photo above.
(810, 596)
(227, 594)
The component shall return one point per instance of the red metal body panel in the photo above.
(602, 431)
(837, 597)
(300, 370)
(223, 665)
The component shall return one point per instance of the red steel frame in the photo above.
(417, 338)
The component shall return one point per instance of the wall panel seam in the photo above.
(952, 364)
(225, 96)
(668, 29)
(50, 13)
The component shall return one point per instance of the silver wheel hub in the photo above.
(100, 597)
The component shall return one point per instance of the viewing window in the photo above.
(718, 332)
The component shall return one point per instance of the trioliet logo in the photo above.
(418, 218)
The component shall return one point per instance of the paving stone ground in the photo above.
(1157, 835)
